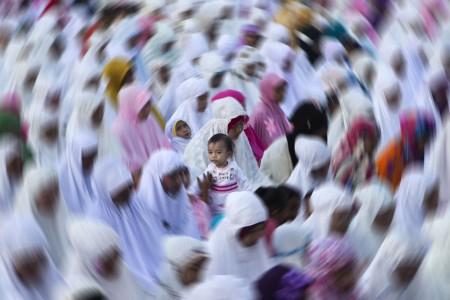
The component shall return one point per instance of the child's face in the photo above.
(218, 153)
(183, 130)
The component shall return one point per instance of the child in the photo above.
(222, 176)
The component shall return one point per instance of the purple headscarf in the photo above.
(283, 283)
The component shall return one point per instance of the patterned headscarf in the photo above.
(415, 127)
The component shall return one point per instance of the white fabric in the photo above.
(228, 256)
(75, 186)
(178, 143)
(312, 153)
(209, 65)
(290, 243)
(373, 199)
(134, 222)
(179, 251)
(325, 200)
(53, 226)
(90, 241)
(410, 196)
(173, 211)
(378, 281)
(221, 287)
(20, 235)
(9, 147)
(276, 162)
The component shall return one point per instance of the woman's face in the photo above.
(31, 77)
(164, 74)
(253, 235)
(172, 182)
(250, 70)
(370, 76)
(145, 111)
(202, 102)
(47, 200)
(252, 39)
(122, 196)
(216, 80)
(440, 99)
(88, 159)
(236, 130)
(14, 166)
(29, 267)
(108, 265)
(341, 219)
(406, 270)
(393, 97)
(97, 116)
(345, 278)
(291, 211)
(50, 133)
(191, 272)
(128, 78)
(321, 173)
(370, 144)
(183, 130)
(398, 64)
(383, 219)
(279, 91)
(287, 65)
(431, 201)
(53, 100)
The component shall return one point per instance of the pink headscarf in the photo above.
(11, 103)
(268, 119)
(139, 139)
(255, 142)
(327, 257)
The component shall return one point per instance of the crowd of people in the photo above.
(224, 149)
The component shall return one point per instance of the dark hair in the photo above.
(276, 198)
(220, 137)
(91, 295)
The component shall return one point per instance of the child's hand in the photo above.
(204, 186)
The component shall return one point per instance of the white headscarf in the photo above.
(154, 49)
(20, 236)
(138, 230)
(325, 200)
(174, 211)
(312, 153)
(86, 103)
(186, 95)
(209, 65)
(239, 80)
(378, 281)
(228, 256)
(290, 243)
(179, 251)
(9, 148)
(45, 154)
(53, 226)
(410, 196)
(372, 198)
(221, 287)
(92, 240)
(75, 186)
(387, 119)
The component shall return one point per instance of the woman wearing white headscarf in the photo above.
(242, 76)
(185, 259)
(44, 139)
(365, 71)
(236, 247)
(313, 162)
(332, 211)
(211, 16)
(290, 243)
(96, 255)
(353, 104)
(417, 202)
(75, 172)
(212, 66)
(392, 273)
(88, 114)
(230, 119)
(40, 197)
(163, 190)
(370, 226)
(117, 205)
(221, 287)
(387, 105)
(11, 168)
(192, 102)
(26, 270)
